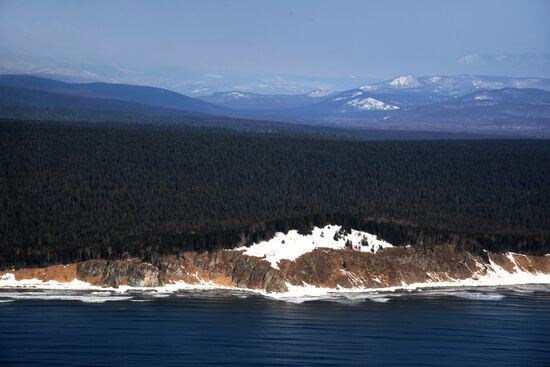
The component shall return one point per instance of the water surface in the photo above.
(453, 327)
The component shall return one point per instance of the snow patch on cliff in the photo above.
(292, 245)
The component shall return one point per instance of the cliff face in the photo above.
(386, 268)
(119, 272)
(322, 267)
(224, 268)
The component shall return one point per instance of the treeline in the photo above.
(77, 191)
(183, 119)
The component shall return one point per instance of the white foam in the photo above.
(493, 276)
(59, 295)
(101, 293)
(8, 280)
(469, 295)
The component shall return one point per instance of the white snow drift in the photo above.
(292, 245)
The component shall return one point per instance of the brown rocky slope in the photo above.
(323, 267)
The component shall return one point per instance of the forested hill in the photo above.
(77, 191)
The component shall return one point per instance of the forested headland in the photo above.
(71, 191)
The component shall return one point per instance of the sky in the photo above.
(377, 39)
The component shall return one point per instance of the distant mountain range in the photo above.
(253, 101)
(24, 97)
(398, 93)
(102, 93)
(433, 103)
(508, 109)
(456, 84)
(179, 79)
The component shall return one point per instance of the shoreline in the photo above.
(295, 294)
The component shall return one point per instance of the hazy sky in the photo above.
(381, 38)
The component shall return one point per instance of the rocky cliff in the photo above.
(321, 267)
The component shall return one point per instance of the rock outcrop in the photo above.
(227, 268)
(119, 272)
(323, 267)
(389, 267)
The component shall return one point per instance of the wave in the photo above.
(334, 296)
(487, 290)
(469, 295)
(61, 296)
(383, 296)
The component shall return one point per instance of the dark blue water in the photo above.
(509, 329)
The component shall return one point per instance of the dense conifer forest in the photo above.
(72, 191)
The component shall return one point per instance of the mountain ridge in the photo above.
(158, 97)
(404, 103)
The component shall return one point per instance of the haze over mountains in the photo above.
(109, 91)
(240, 100)
(179, 79)
(424, 102)
(462, 103)
(200, 83)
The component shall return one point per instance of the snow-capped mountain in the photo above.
(370, 104)
(406, 81)
(463, 102)
(449, 103)
(508, 109)
(356, 101)
(371, 101)
(318, 93)
(238, 95)
(506, 97)
(455, 85)
(407, 91)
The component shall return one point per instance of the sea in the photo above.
(483, 326)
